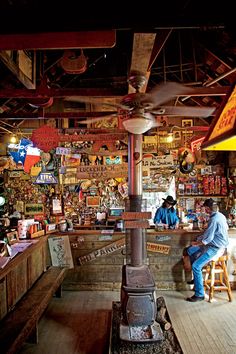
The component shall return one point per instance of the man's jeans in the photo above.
(200, 256)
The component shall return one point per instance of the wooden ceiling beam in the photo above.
(46, 92)
(141, 54)
(9, 63)
(58, 115)
(51, 92)
(160, 40)
(58, 40)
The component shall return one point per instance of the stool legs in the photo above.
(212, 280)
(227, 283)
(221, 283)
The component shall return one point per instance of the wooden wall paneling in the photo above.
(3, 298)
(17, 283)
(36, 265)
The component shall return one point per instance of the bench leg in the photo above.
(34, 335)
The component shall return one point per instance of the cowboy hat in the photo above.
(209, 203)
(169, 199)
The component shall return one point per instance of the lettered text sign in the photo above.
(102, 171)
(135, 224)
(155, 247)
(133, 215)
(112, 247)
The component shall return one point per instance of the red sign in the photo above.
(196, 144)
(45, 138)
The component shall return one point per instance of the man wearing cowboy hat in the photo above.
(166, 214)
(210, 245)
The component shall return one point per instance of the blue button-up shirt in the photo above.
(216, 233)
(166, 216)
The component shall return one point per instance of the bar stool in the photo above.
(216, 277)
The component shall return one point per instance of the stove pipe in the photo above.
(138, 303)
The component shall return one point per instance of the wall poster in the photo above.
(60, 251)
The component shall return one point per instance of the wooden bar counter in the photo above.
(98, 256)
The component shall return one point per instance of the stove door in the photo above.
(140, 309)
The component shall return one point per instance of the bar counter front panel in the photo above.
(104, 272)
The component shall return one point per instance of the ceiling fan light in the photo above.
(137, 124)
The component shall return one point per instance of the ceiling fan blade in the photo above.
(95, 101)
(164, 92)
(187, 111)
(97, 119)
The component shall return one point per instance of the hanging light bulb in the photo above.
(170, 138)
(13, 139)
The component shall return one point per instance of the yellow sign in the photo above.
(227, 118)
(225, 145)
(155, 247)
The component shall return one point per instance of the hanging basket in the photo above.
(41, 102)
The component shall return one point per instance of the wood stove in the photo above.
(138, 305)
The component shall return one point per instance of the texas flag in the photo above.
(32, 157)
(18, 151)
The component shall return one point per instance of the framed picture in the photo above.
(12, 237)
(187, 123)
(93, 201)
(177, 135)
(56, 206)
(33, 209)
(162, 121)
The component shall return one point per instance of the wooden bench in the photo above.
(21, 324)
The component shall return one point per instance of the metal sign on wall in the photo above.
(155, 247)
(112, 247)
(117, 245)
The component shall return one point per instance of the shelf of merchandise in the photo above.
(200, 196)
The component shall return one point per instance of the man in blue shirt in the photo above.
(208, 246)
(166, 214)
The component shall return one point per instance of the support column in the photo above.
(137, 238)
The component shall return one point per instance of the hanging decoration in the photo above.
(46, 178)
(45, 138)
(72, 63)
(25, 154)
(31, 158)
(18, 151)
(186, 160)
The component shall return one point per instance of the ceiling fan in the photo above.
(139, 110)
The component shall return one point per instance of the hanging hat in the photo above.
(169, 199)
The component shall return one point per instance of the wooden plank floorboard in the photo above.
(206, 319)
(79, 323)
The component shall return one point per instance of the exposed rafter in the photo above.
(58, 40)
(98, 92)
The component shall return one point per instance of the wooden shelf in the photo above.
(201, 196)
(37, 234)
